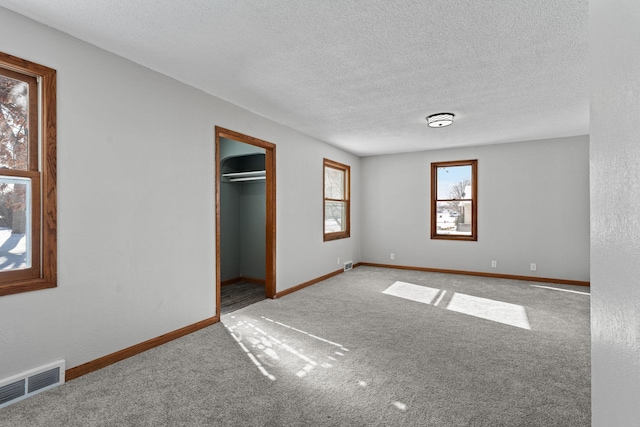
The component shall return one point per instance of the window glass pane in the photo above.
(454, 182)
(15, 223)
(333, 183)
(454, 218)
(14, 113)
(334, 216)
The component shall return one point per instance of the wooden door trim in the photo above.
(270, 167)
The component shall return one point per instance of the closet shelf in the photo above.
(245, 176)
(249, 173)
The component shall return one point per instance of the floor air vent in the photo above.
(31, 382)
(348, 265)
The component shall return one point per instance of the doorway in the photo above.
(249, 161)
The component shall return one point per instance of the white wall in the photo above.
(136, 205)
(533, 207)
(615, 223)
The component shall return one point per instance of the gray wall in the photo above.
(230, 231)
(533, 207)
(242, 219)
(231, 148)
(615, 212)
(136, 205)
(253, 230)
(243, 230)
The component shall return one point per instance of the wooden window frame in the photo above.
(42, 173)
(347, 196)
(473, 200)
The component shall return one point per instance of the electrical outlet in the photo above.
(392, 256)
(494, 264)
(338, 260)
(533, 266)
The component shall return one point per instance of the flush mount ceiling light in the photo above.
(440, 120)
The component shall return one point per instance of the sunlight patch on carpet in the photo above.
(561, 290)
(276, 347)
(440, 298)
(251, 356)
(488, 309)
(304, 333)
(400, 405)
(423, 294)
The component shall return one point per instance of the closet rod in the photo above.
(248, 178)
(250, 173)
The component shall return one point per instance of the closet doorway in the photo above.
(245, 220)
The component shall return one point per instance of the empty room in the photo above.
(319, 213)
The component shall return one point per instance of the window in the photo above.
(27, 176)
(336, 200)
(454, 200)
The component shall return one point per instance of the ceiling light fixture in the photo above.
(440, 120)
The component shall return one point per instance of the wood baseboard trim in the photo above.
(309, 283)
(313, 282)
(243, 279)
(252, 280)
(230, 281)
(94, 365)
(481, 274)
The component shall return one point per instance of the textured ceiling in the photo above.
(361, 75)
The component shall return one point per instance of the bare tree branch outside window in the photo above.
(14, 144)
(334, 189)
(28, 215)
